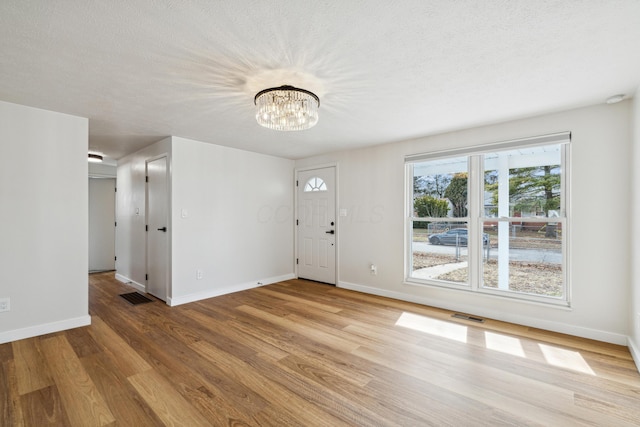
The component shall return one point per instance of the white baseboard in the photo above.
(562, 328)
(132, 283)
(198, 296)
(635, 352)
(45, 328)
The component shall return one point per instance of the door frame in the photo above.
(169, 225)
(337, 209)
(115, 216)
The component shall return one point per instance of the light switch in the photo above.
(343, 212)
(184, 213)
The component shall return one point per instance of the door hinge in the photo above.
(115, 189)
(115, 258)
(146, 179)
(296, 260)
(296, 182)
(146, 277)
(115, 224)
(146, 228)
(297, 222)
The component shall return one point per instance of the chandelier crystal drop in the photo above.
(287, 108)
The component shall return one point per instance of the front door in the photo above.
(157, 228)
(316, 224)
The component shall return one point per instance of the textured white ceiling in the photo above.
(385, 70)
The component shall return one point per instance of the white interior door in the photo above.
(158, 228)
(102, 219)
(316, 224)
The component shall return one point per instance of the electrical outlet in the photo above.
(374, 269)
(199, 274)
(5, 304)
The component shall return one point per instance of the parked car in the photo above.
(455, 236)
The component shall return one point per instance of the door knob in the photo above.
(164, 229)
(330, 232)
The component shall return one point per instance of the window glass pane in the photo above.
(439, 251)
(315, 184)
(519, 209)
(440, 188)
(524, 257)
(523, 182)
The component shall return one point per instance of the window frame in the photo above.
(476, 217)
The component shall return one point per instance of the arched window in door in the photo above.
(315, 184)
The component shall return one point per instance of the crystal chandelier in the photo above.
(287, 108)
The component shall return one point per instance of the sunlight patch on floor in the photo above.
(554, 356)
(565, 359)
(504, 344)
(431, 326)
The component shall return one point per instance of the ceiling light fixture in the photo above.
(95, 158)
(614, 99)
(287, 108)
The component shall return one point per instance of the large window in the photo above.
(492, 220)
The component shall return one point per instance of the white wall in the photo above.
(238, 223)
(44, 233)
(238, 227)
(371, 187)
(634, 322)
(130, 212)
(102, 170)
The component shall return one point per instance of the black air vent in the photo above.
(467, 317)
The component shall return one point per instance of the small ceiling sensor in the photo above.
(615, 98)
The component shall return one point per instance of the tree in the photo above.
(531, 189)
(456, 192)
(427, 206)
(432, 185)
(419, 187)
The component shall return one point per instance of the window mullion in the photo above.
(476, 205)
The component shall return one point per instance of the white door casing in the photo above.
(316, 224)
(158, 228)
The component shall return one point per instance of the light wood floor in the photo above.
(306, 354)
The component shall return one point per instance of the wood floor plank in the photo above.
(301, 301)
(244, 373)
(300, 353)
(328, 339)
(358, 407)
(166, 402)
(123, 400)
(127, 361)
(82, 341)
(84, 405)
(10, 408)
(44, 407)
(6, 351)
(314, 353)
(260, 346)
(31, 369)
(216, 396)
(506, 392)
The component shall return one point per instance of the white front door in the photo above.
(316, 224)
(158, 228)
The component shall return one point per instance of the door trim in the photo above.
(295, 204)
(169, 224)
